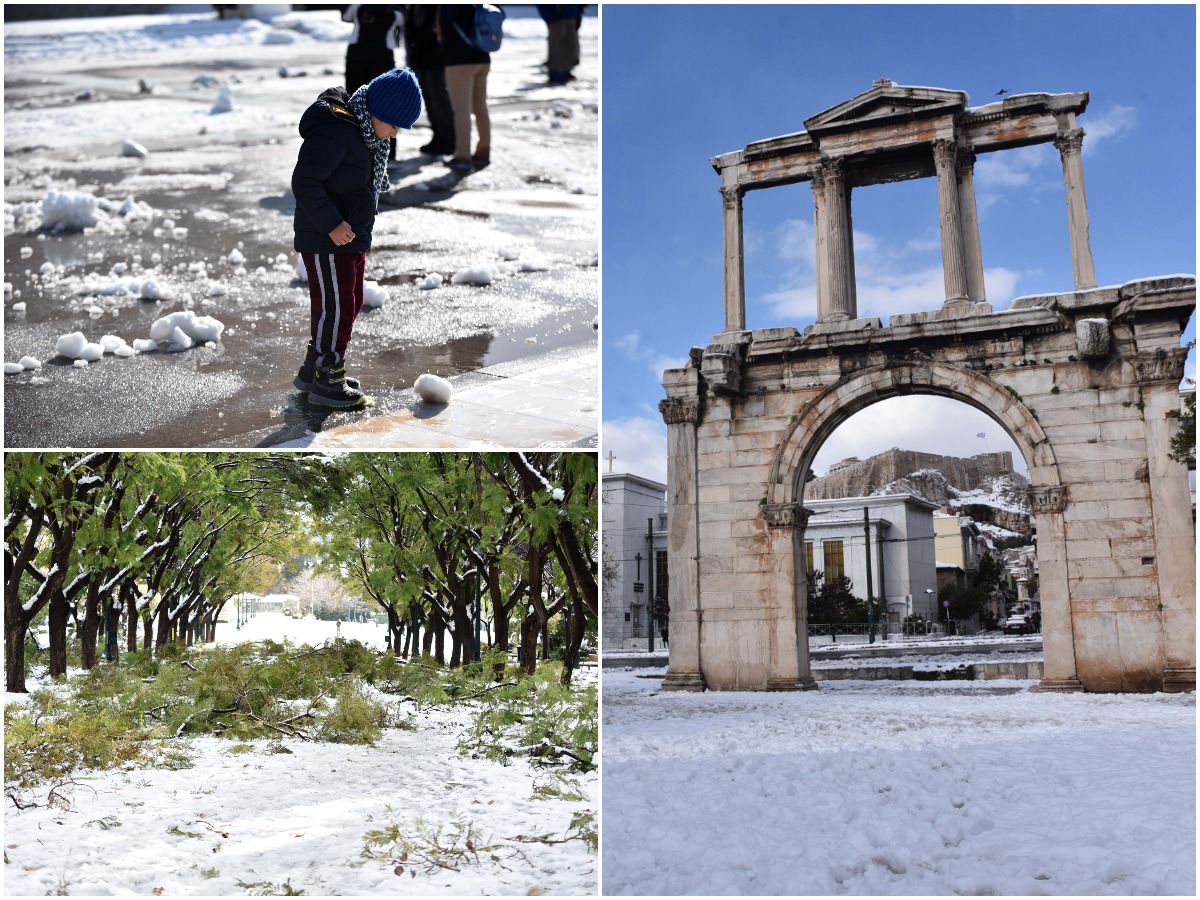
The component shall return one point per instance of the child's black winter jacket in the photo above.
(332, 179)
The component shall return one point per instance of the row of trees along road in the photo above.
(158, 543)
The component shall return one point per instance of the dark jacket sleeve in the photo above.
(320, 154)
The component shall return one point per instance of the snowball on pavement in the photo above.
(433, 389)
(13, 368)
(133, 148)
(374, 296)
(124, 351)
(478, 275)
(30, 362)
(19, 307)
(301, 272)
(142, 345)
(236, 257)
(80, 364)
(431, 281)
(71, 345)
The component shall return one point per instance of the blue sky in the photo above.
(684, 83)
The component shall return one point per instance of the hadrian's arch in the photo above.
(1085, 381)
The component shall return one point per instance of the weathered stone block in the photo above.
(1130, 489)
(1091, 338)
(1088, 551)
(1123, 430)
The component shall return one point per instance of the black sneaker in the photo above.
(303, 381)
(330, 388)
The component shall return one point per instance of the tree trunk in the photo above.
(58, 618)
(14, 656)
(89, 628)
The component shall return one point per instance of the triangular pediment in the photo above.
(885, 101)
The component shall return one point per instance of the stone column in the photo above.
(969, 215)
(790, 669)
(735, 276)
(1070, 148)
(682, 413)
(835, 243)
(954, 269)
(1159, 373)
(1058, 636)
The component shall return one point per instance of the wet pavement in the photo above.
(527, 216)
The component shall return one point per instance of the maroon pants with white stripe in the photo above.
(335, 288)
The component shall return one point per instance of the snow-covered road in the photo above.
(897, 788)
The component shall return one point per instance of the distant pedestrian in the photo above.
(1036, 621)
(562, 21)
(423, 54)
(340, 171)
(371, 51)
(467, 70)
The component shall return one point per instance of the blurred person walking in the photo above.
(371, 51)
(467, 68)
(563, 22)
(423, 54)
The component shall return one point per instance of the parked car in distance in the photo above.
(1016, 625)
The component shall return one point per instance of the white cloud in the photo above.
(1025, 167)
(639, 447)
(1113, 122)
(631, 345)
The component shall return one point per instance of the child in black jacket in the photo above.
(339, 174)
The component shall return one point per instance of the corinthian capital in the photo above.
(680, 410)
(732, 195)
(1070, 141)
(944, 149)
(1161, 365)
(786, 515)
(1050, 499)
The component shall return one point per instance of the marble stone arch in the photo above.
(822, 415)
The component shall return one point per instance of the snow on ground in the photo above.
(275, 626)
(237, 819)
(897, 788)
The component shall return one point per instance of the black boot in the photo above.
(330, 387)
(303, 381)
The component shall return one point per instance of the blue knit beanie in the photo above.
(395, 97)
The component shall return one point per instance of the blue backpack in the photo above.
(487, 33)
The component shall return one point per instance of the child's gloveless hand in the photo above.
(342, 235)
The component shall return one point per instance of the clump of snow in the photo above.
(374, 295)
(430, 281)
(68, 211)
(151, 289)
(477, 275)
(80, 364)
(433, 389)
(133, 148)
(144, 345)
(70, 345)
(224, 102)
(236, 257)
(13, 368)
(19, 307)
(26, 252)
(30, 362)
(111, 343)
(301, 272)
(184, 329)
(558, 494)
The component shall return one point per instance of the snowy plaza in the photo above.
(888, 787)
(152, 296)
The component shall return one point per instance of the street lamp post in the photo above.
(929, 595)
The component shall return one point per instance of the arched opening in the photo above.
(822, 415)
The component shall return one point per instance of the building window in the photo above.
(835, 565)
(808, 557)
(661, 581)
